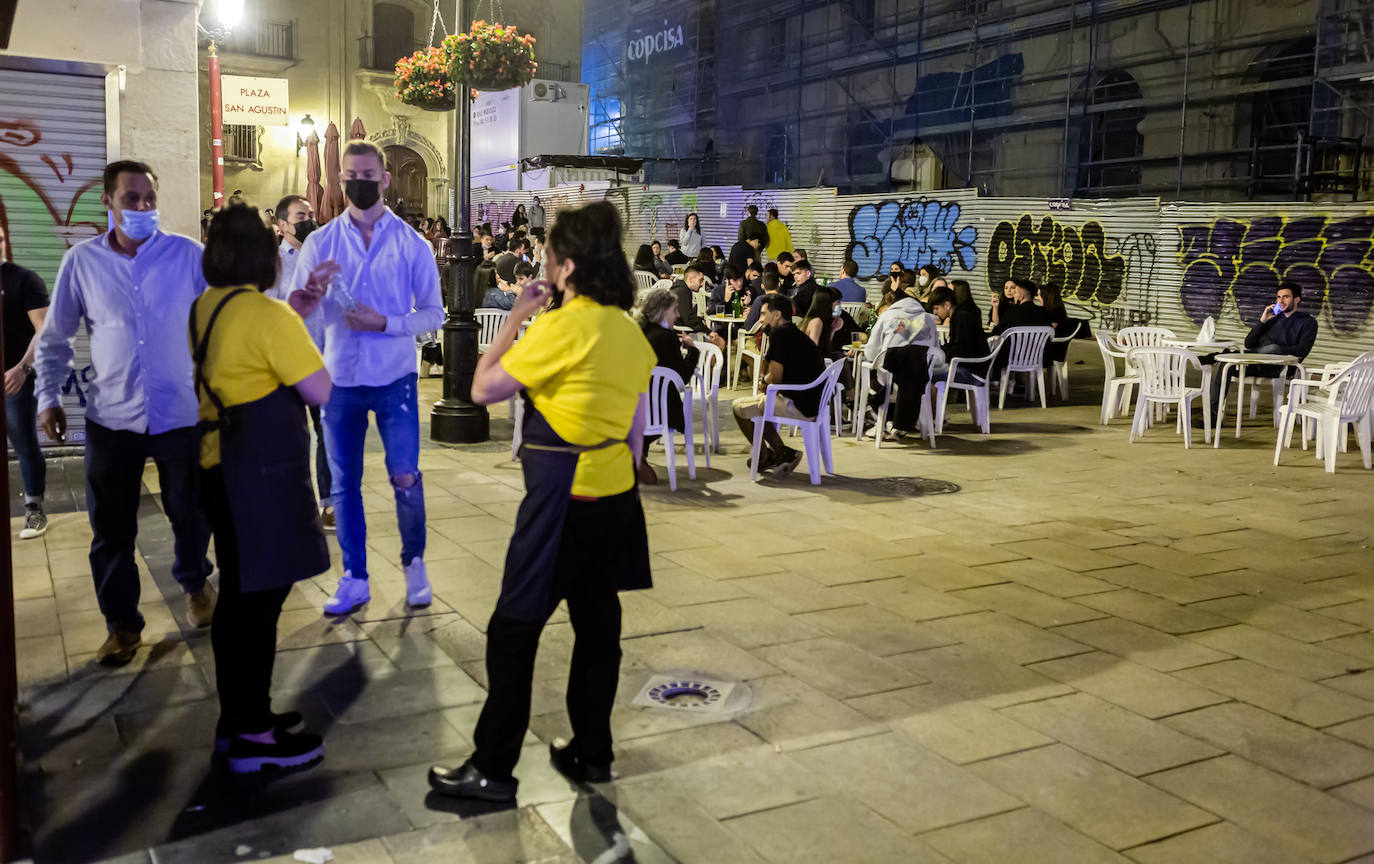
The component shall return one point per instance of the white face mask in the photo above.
(923, 280)
(138, 224)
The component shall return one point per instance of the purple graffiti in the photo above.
(1074, 258)
(1248, 261)
(914, 232)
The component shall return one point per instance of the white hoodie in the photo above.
(905, 322)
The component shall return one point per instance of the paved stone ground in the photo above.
(1046, 646)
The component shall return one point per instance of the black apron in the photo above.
(529, 590)
(264, 451)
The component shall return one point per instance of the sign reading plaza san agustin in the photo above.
(256, 101)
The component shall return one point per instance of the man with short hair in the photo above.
(684, 290)
(675, 256)
(751, 225)
(850, 290)
(132, 288)
(746, 251)
(966, 336)
(806, 285)
(664, 269)
(792, 358)
(537, 218)
(779, 235)
(752, 274)
(295, 219)
(382, 290)
(1283, 328)
(26, 307)
(788, 285)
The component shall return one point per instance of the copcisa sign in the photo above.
(645, 46)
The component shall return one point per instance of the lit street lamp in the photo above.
(455, 418)
(226, 14)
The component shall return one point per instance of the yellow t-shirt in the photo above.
(779, 239)
(585, 366)
(258, 345)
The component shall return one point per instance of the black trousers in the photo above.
(589, 587)
(323, 483)
(114, 479)
(244, 632)
(911, 375)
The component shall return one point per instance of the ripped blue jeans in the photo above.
(345, 431)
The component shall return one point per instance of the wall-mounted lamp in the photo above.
(306, 123)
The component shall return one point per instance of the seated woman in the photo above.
(657, 314)
(256, 368)
(707, 262)
(644, 260)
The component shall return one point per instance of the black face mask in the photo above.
(363, 193)
(303, 228)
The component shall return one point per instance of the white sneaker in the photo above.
(349, 597)
(418, 592)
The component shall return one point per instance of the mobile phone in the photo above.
(1278, 308)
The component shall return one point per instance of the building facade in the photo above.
(1216, 99)
(338, 57)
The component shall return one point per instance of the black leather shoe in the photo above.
(570, 765)
(466, 781)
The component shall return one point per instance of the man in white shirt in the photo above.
(373, 280)
(132, 288)
(295, 219)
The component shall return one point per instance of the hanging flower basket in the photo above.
(490, 57)
(422, 80)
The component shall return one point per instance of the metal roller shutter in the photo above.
(52, 153)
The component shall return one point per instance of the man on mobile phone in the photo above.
(1283, 328)
(375, 280)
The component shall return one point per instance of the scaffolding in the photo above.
(1224, 99)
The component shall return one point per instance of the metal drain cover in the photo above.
(686, 693)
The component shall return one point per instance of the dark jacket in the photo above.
(668, 350)
(1284, 334)
(741, 254)
(756, 309)
(751, 225)
(675, 257)
(802, 297)
(1028, 314)
(966, 336)
(686, 308)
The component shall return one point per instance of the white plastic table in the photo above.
(1209, 347)
(730, 322)
(1241, 360)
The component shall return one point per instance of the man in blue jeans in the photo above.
(26, 304)
(375, 282)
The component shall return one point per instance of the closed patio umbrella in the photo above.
(314, 192)
(333, 191)
(357, 130)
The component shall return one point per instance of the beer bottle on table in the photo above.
(736, 309)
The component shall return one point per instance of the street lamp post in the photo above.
(455, 419)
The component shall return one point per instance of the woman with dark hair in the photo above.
(1001, 302)
(706, 261)
(689, 238)
(644, 260)
(926, 276)
(657, 314)
(1051, 299)
(518, 218)
(441, 224)
(256, 368)
(579, 533)
(821, 322)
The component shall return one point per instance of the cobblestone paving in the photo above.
(1047, 645)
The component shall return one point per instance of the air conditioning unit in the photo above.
(546, 91)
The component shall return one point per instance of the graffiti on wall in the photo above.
(1246, 260)
(916, 232)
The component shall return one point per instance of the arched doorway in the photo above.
(1110, 141)
(407, 195)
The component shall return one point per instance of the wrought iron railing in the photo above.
(263, 39)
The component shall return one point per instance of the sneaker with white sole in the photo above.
(418, 592)
(247, 756)
(35, 522)
(350, 596)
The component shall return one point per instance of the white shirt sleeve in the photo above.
(428, 311)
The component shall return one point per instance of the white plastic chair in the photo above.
(710, 364)
(644, 280)
(1116, 389)
(1059, 374)
(658, 422)
(1025, 353)
(926, 422)
(975, 392)
(699, 299)
(1142, 337)
(663, 283)
(746, 346)
(853, 308)
(489, 323)
(1163, 381)
(1349, 399)
(815, 431)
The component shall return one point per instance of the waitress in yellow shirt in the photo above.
(579, 533)
(256, 369)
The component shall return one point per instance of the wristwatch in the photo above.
(28, 370)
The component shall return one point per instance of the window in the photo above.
(393, 29)
(1278, 115)
(1111, 144)
(242, 144)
